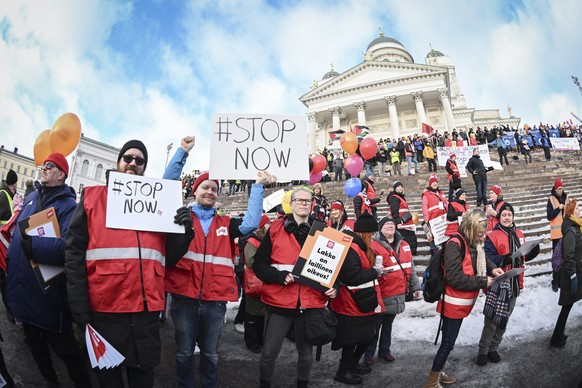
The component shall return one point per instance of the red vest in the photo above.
(395, 281)
(492, 221)
(556, 223)
(459, 303)
(501, 241)
(344, 302)
(365, 205)
(125, 268)
(453, 166)
(448, 143)
(403, 208)
(206, 272)
(453, 226)
(371, 192)
(284, 253)
(437, 204)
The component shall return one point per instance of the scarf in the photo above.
(577, 221)
(514, 245)
(481, 260)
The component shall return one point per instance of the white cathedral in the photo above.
(392, 95)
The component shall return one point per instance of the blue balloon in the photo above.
(352, 187)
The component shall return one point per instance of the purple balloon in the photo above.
(352, 187)
(354, 164)
(314, 178)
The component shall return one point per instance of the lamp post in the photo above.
(169, 148)
(577, 83)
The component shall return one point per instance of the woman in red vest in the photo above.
(434, 203)
(492, 207)
(338, 219)
(400, 276)
(286, 299)
(466, 270)
(456, 210)
(357, 323)
(500, 244)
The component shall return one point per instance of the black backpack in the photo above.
(433, 280)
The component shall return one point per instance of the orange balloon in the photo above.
(349, 142)
(65, 134)
(415, 218)
(42, 147)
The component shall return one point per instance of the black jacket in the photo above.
(476, 167)
(572, 241)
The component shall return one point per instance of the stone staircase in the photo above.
(526, 187)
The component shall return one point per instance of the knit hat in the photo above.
(337, 205)
(558, 183)
(201, 178)
(432, 179)
(496, 189)
(459, 192)
(366, 223)
(396, 184)
(134, 144)
(383, 221)
(264, 220)
(59, 161)
(452, 155)
(505, 206)
(11, 177)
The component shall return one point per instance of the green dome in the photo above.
(434, 53)
(383, 39)
(330, 74)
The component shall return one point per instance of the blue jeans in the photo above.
(197, 322)
(451, 329)
(481, 187)
(385, 329)
(369, 169)
(410, 159)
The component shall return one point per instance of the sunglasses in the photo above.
(138, 161)
(48, 166)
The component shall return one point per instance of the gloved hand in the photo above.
(26, 244)
(183, 217)
(518, 261)
(506, 260)
(573, 285)
(490, 168)
(535, 251)
(82, 320)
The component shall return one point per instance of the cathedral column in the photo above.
(335, 117)
(449, 120)
(391, 102)
(312, 134)
(361, 108)
(417, 96)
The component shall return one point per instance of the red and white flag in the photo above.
(101, 353)
(427, 128)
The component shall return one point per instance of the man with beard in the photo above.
(115, 277)
(401, 215)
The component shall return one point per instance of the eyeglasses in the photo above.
(301, 201)
(138, 161)
(48, 166)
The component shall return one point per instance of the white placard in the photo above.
(438, 227)
(463, 155)
(242, 144)
(565, 143)
(324, 260)
(275, 199)
(141, 203)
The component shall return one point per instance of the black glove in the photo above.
(26, 244)
(183, 217)
(518, 261)
(490, 169)
(82, 319)
(506, 260)
(535, 251)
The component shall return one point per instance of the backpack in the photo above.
(433, 280)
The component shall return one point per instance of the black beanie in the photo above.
(459, 192)
(134, 144)
(11, 177)
(505, 206)
(366, 224)
(385, 220)
(395, 185)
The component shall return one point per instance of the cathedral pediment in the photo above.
(373, 74)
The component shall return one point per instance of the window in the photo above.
(18, 169)
(99, 172)
(85, 168)
(25, 170)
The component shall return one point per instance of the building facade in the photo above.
(392, 95)
(89, 162)
(22, 165)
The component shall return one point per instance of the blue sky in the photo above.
(157, 70)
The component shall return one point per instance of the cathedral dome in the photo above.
(383, 39)
(387, 49)
(330, 74)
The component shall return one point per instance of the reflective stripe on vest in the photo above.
(459, 301)
(396, 267)
(125, 253)
(283, 267)
(208, 259)
(363, 285)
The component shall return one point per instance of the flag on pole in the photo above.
(332, 136)
(427, 129)
(361, 130)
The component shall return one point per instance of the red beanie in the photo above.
(558, 183)
(337, 205)
(496, 189)
(264, 220)
(432, 179)
(59, 161)
(452, 155)
(203, 177)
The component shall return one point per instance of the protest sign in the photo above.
(565, 143)
(321, 257)
(273, 200)
(242, 144)
(438, 227)
(463, 155)
(141, 203)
